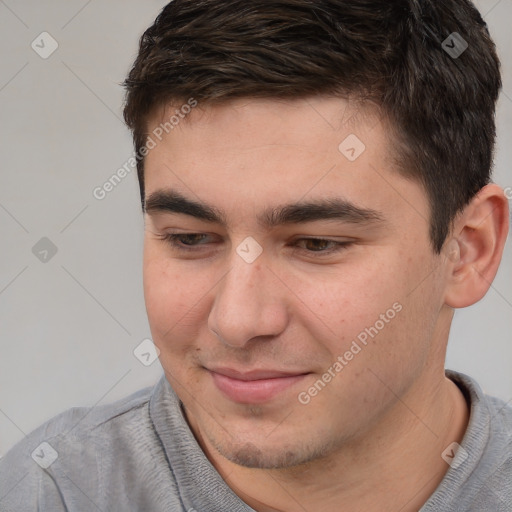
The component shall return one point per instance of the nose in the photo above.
(249, 303)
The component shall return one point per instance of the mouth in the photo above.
(255, 386)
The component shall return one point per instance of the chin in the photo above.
(266, 455)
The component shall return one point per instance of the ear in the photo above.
(475, 247)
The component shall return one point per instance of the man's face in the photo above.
(288, 331)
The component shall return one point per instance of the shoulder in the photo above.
(74, 446)
(498, 480)
(486, 476)
(501, 414)
(80, 423)
(491, 418)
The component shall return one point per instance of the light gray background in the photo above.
(69, 326)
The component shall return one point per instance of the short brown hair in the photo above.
(395, 54)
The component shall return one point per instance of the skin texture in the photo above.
(372, 438)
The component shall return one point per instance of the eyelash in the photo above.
(173, 238)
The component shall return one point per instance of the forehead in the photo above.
(302, 118)
(252, 153)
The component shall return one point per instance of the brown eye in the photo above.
(184, 241)
(190, 239)
(321, 245)
(316, 244)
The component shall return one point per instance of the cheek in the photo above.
(175, 301)
(398, 343)
(366, 313)
(346, 301)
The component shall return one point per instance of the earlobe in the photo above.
(475, 248)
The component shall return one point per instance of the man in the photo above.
(315, 181)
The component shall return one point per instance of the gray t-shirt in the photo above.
(139, 454)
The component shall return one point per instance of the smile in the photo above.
(253, 387)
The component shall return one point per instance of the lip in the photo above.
(255, 386)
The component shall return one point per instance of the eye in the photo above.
(321, 245)
(184, 241)
(194, 242)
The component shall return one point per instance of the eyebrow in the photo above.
(336, 208)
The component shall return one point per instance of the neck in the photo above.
(396, 465)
